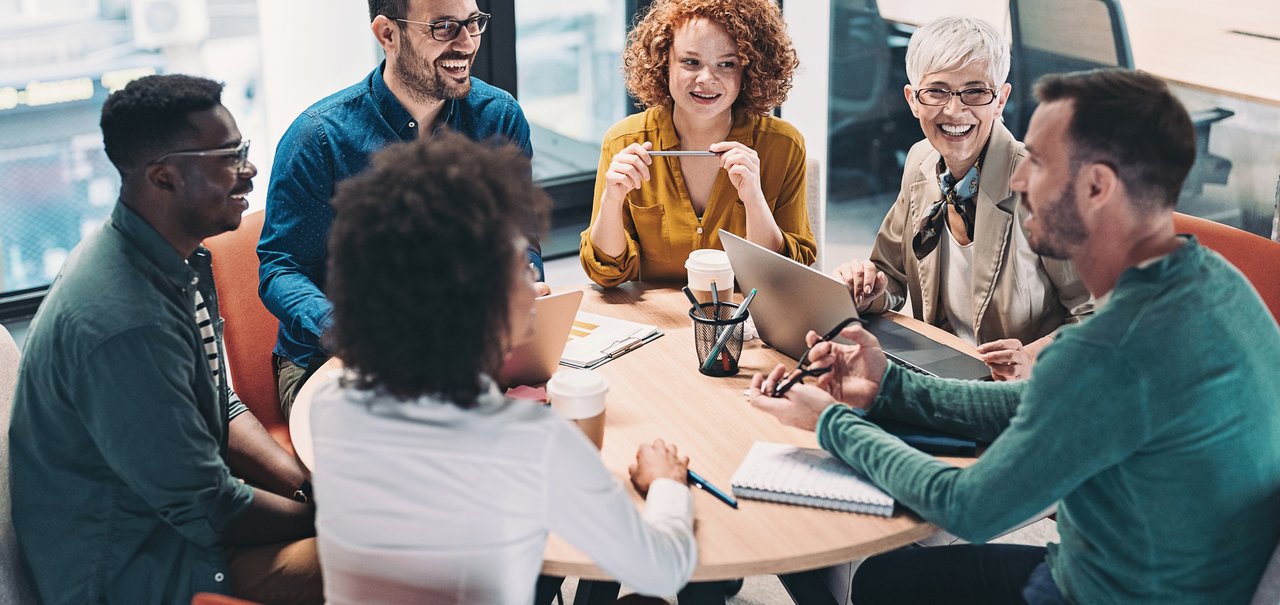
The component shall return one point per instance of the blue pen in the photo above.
(696, 479)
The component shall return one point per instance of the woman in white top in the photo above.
(432, 486)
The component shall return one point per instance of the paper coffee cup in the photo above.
(579, 395)
(706, 266)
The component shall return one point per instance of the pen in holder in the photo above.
(714, 325)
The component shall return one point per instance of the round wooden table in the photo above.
(656, 392)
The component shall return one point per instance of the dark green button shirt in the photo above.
(121, 492)
(1155, 424)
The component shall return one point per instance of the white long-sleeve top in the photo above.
(425, 502)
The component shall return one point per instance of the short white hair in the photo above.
(953, 43)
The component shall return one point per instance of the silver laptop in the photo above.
(535, 358)
(792, 299)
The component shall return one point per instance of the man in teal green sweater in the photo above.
(1154, 424)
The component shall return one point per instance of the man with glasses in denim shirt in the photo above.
(424, 85)
(137, 474)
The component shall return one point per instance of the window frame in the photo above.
(496, 63)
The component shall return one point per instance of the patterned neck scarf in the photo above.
(961, 195)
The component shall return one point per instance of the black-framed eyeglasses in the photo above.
(803, 370)
(445, 30)
(240, 153)
(968, 96)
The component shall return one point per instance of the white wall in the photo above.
(808, 22)
(309, 51)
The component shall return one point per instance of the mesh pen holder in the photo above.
(707, 331)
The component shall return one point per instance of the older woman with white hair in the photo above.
(954, 242)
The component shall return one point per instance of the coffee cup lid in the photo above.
(708, 260)
(577, 383)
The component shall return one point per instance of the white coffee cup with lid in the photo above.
(579, 395)
(706, 266)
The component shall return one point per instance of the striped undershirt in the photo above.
(205, 322)
(207, 337)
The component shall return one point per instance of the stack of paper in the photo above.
(596, 339)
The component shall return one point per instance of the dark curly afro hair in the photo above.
(423, 249)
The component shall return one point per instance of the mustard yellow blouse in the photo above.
(662, 228)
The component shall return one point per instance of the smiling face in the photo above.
(958, 131)
(705, 74)
(209, 191)
(1047, 181)
(432, 70)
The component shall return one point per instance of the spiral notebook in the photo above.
(809, 477)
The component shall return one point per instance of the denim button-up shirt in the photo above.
(330, 141)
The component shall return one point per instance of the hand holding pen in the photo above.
(850, 374)
(803, 368)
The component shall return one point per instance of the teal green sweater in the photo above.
(1155, 424)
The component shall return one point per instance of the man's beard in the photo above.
(1061, 224)
(424, 82)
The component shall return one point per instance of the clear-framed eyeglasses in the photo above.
(968, 96)
(239, 153)
(445, 30)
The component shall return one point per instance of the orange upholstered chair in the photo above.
(208, 598)
(250, 330)
(1258, 258)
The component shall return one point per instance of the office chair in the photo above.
(868, 119)
(250, 330)
(816, 203)
(15, 586)
(1258, 258)
(208, 598)
(1098, 38)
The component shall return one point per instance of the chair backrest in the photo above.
(250, 330)
(860, 61)
(1275, 219)
(1055, 36)
(15, 587)
(816, 202)
(1258, 258)
(208, 598)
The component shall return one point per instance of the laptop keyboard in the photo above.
(907, 365)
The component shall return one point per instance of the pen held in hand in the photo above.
(700, 482)
(677, 153)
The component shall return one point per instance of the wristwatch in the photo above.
(303, 493)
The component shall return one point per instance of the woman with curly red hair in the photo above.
(709, 73)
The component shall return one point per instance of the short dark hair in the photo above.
(148, 117)
(1130, 120)
(391, 9)
(422, 252)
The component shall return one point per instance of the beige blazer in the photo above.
(1017, 293)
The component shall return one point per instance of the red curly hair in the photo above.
(756, 27)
